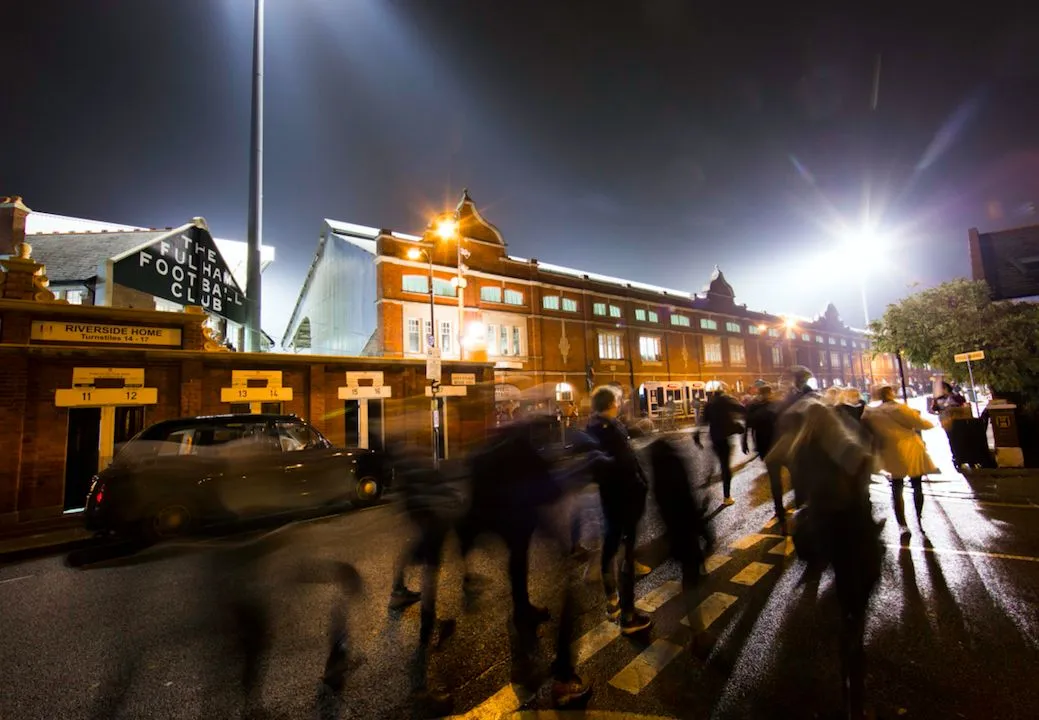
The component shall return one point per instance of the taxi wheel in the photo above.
(367, 490)
(167, 520)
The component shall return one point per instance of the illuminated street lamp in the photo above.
(417, 253)
(446, 227)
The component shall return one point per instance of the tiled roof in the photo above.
(75, 257)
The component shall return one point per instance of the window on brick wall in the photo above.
(490, 293)
(649, 348)
(569, 305)
(777, 357)
(550, 302)
(640, 314)
(737, 352)
(712, 351)
(706, 324)
(615, 311)
(733, 327)
(652, 316)
(611, 346)
(599, 309)
(513, 297)
(680, 320)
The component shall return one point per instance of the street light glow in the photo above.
(446, 228)
(790, 323)
(414, 254)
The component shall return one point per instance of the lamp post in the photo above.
(254, 234)
(416, 253)
(447, 228)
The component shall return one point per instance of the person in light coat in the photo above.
(900, 450)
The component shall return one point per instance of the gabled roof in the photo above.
(75, 257)
(471, 223)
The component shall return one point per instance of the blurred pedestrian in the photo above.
(622, 492)
(900, 451)
(832, 467)
(430, 504)
(515, 480)
(762, 416)
(686, 530)
(851, 405)
(722, 417)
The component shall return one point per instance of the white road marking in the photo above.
(751, 574)
(771, 523)
(749, 541)
(712, 608)
(640, 672)
(784, 548)
(653, 600)
(595, 640)
(496, 706)
(15, 579)
(715, 561)
(974, 553)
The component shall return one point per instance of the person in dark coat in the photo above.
(622, 493)
(686, 530)
(762, 416)
(510, 482)
(430, 504)
(832, 466)
(514, 481)
(722, 417)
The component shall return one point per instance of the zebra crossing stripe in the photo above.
(652, 601)
(749, 541)
(715, 561)
(506, 700)
(712, 608)
(641, 671)
(751, 574)
(594, 640)
(784, 548)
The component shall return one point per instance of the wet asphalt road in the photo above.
(953, 631)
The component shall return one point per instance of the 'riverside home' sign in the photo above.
(185, 268)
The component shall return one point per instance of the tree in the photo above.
(934, 325)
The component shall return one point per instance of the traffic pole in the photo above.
(973, 394)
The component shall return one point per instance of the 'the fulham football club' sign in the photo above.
(185, 268)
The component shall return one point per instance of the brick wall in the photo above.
(32, 448)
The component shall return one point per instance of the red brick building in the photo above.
(552, 331)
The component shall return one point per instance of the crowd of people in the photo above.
(530, 479)
(830, 445)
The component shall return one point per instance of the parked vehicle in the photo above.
(182, 474)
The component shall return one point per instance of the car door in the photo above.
(250, 479)
(315, 472)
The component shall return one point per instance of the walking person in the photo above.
(900, 451)
(832, 467)
(686, 530)
(430, 504)
(622, 493)
(722, 417)
(762, 415)
(950, 406)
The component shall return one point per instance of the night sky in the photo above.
(648, 140)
